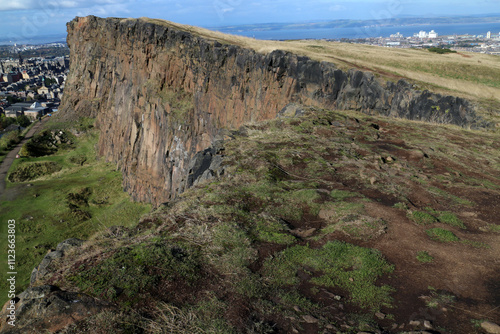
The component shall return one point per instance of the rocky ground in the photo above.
(326, 223)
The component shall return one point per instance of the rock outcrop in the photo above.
(43, 268)
(162, 95)
(47, 309)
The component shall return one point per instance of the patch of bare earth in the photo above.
(469, 271)
(423, 174)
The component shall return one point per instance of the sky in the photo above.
(24, 19)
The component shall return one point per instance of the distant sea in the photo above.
(366, 32)
(330, 33)
(33, 40)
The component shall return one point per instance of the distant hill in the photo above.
(400, 21)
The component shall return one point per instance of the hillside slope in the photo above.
(327, 223)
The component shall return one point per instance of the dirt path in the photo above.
(11, 156)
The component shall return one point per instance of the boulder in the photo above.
(47, 309)
(42, 269)
(490, 327)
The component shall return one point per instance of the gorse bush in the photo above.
(441, 50)
(30, 171)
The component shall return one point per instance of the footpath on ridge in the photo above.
(11, 156)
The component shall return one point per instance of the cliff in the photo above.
(162, 96)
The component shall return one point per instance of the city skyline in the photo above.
(24, 19)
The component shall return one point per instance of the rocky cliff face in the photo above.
(161, 96)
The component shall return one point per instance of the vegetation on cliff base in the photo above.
(46, 209)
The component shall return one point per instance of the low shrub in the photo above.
(30, 171)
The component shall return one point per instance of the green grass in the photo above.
(293, 299)
(424, 257)
(431, 216)
(494, 228)
(454, 199)
(423, 218)
(274, 232)
(352, 268)
(232, 251)
(43, 212)
(451, 219)
(8, 141)
(476, 244)
(341, 195)
(401, 206)
(442, 235)
(138, 269)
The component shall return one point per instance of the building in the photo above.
(488, 35)
(12, 77)
(422, 34)
(32, 110)
(43, 90)
(397, 35)
(433, 34)
(36, 110)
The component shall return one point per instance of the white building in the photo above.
(397, 35)
(488, 35)
(433, 34)
(422, 34)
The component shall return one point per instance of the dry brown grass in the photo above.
(469, 75)
(172, 320)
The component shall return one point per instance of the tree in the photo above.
(6, 121)
(23, 121)
(13, 99)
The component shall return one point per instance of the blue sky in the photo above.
(23, 19)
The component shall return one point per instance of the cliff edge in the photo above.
(163, 95)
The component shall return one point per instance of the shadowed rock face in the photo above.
(161, 95)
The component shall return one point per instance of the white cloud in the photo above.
(8, 5)
(105, 10)
(16, 5)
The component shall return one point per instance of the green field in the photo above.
(41, 207)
